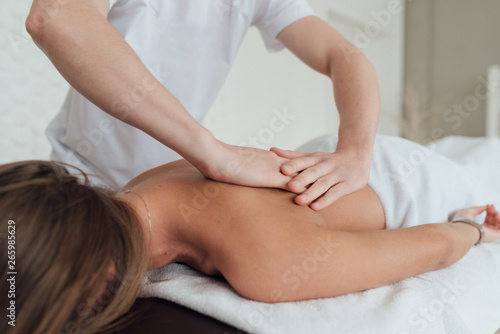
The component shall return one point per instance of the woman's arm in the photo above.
(291, 262)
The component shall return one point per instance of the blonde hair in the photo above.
(67, 233)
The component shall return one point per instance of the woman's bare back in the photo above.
(214, 212)
(199, 199)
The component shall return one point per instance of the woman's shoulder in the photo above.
(179, 169)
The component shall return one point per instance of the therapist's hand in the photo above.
(246, 166)
(328, 176)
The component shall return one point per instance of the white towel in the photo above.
(464, 298)
(418, 184)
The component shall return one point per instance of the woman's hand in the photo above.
(491, 223)
(328, 176)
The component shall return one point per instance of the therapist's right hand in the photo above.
(246, 166)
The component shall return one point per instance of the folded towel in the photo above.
(416, 185)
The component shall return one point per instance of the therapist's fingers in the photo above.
(286, 168)
(334, 193)
(319, 188)
(309, 176)
(297, 165)
(287, 154)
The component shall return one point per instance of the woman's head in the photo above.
(80, 253)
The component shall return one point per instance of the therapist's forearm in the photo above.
(98, 62)
(357, 97)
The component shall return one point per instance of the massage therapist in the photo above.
(145, 72)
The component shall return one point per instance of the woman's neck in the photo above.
(170, 240)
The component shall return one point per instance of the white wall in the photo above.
(32, 91)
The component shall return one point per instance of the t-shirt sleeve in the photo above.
(112, 3)
(272, 16)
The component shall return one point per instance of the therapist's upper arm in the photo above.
(315, 42)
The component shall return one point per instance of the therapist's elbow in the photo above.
(46, 22)
(36, 25)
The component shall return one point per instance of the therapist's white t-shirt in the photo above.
(189, 46)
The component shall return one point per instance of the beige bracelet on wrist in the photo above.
(473, 223)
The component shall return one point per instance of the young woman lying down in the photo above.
(81, 252)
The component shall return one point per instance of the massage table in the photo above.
(155, 315)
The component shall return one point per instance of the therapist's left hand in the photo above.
(327, 176)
